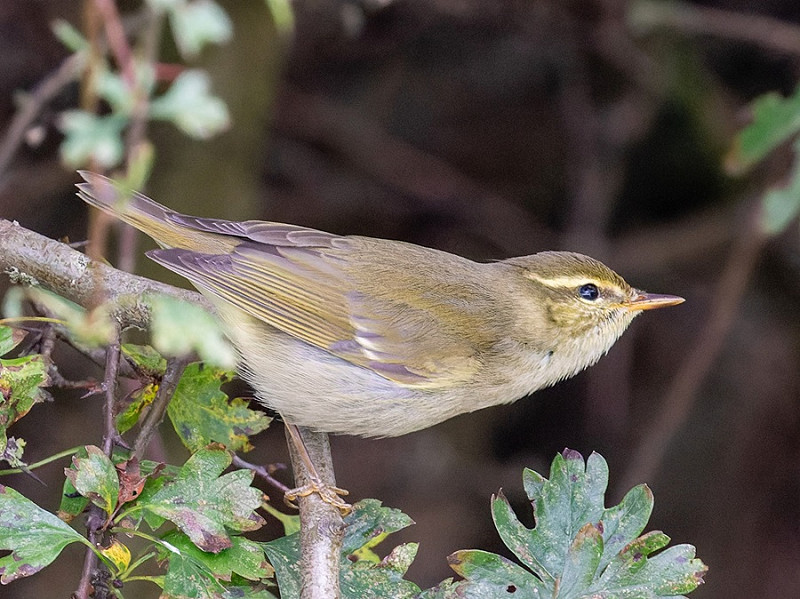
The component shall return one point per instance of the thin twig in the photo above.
(770, 33)
(117, 41)
(678, 402)
(262, 472)
(110, 434)
(95, 518)
(47, 89)
(158, 408)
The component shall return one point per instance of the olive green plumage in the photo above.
(373, 337)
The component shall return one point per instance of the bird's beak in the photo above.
(650, 301)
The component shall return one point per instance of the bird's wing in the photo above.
(304, 282)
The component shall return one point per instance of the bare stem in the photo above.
(155, 416)
(769, 33)
(43, 93)
(261, 472)
(321, 524)
(678, 402)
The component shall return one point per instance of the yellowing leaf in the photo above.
(118, 554)
(202, 414)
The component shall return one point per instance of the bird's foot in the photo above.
(329, 494)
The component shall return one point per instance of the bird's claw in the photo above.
(328, 493)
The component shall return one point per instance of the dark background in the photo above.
(490, 129)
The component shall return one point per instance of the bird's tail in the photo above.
(150, 217)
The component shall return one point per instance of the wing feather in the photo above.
(307, 291)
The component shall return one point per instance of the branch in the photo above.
(28, 257)
(767, 32)
(321, 524)
(648, 456)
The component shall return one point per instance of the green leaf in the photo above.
(91, 327)
(204, 505)
(198, 23)
(775, 120)
(95, 477)
(359, 576)
(72, 502)
(202, 414)
(189, 105)
(12, 453)
(149, 363)
(88, 137)
(137, 402)
(290, 522)
(245, 558)
(145, 359)
(21, 382)
(187, 578)
(68, 35)
(578, 549)
(780, 206)
(180, 328)
(490, 576)
(10, 338)
(34, 537)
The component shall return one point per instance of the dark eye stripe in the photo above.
(589, 292)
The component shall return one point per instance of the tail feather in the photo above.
(150, 217)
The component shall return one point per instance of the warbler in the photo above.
(379, 338)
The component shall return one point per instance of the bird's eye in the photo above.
(589, 292)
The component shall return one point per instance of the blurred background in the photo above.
(493, 128)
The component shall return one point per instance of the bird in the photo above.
(371, 337)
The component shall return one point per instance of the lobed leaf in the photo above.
(578, 549)
(34, 536)
(205, 505)
(21, 386)
(202, 414)
(180, 328)
(360, 575)
(775, 120)
(95, 477)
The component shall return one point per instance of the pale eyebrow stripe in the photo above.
(566, 281)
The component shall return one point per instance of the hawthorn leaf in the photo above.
(21, 386)
(776, 119)
(578, 549)
(244, 558)
(202, 414)
(205, 505)
(189, 105)
(145, 359)
(179, 328)
(10, 338)
(34, 536)
(195, 24)
(95, 477)
(196, 574)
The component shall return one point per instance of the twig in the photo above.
(29, 257)
(262, 472)
(95, 519)
(158, 408)
(117, 42)
(110, 434)
(44, 92)
(767, 32)
(321, 524)
(678, 402)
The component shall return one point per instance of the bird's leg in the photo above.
(314, 484)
